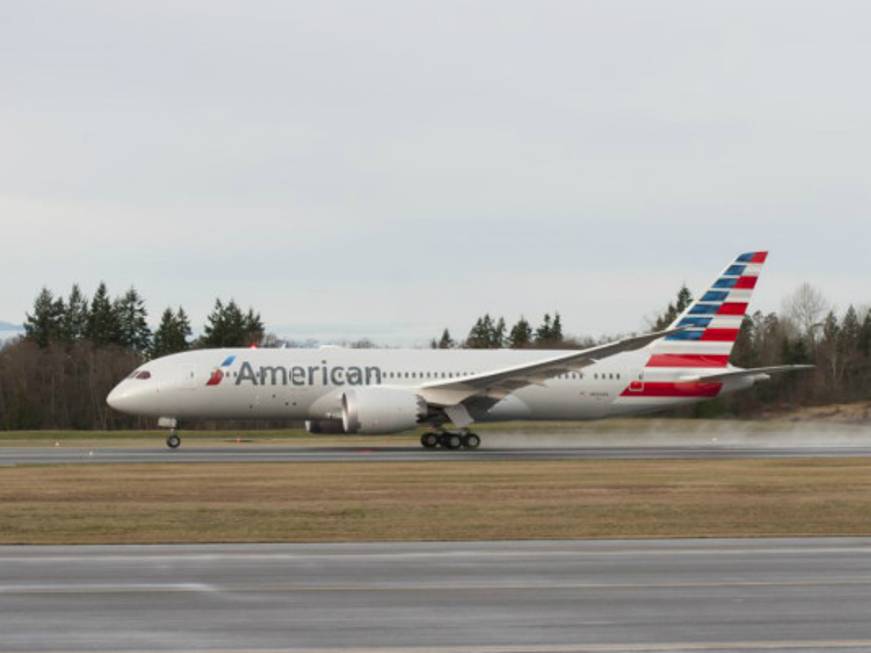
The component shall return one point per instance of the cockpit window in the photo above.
(144, 374)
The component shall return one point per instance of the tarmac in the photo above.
(263, 453)
(470, 597)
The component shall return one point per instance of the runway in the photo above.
(261, 453)
(485, 597)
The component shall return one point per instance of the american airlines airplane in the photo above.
(381, 391)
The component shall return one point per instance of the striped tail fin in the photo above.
(712, 322)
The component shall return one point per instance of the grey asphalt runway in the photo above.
(483, 597)
(259, 453)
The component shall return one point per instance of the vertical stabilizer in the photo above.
(713, 321)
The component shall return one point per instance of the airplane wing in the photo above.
(753, 371)
(499, 383)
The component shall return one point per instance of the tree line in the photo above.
(123, 322)
(75, 349)
(808, 330)
(492, 333)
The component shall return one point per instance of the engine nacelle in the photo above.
(324, 426)
(381, 410)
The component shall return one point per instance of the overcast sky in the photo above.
(389, 168)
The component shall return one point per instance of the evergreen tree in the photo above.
(133, 331)
(556, 329)
(744, 352)
(831, 328)
(215, 331)
(75, 317)
(848, 350)
(172, 334)
(482, 334)
(851, 331)
(183, 330)
(520, 335)
(102, 326)
(543, 332)
(684, 299)
(227, 326)
(497, 336)
(551, 330)
(44, 325)
(253, 327)
(445, 342)
(795, 352)
(865, 335)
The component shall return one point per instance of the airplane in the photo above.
(384, 391)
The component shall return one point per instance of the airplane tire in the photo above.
(452, 441)
(429, 440)
(471, 441)
(173, 441)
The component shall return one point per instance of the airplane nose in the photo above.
(119, 398)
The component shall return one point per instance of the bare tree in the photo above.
(806, 308)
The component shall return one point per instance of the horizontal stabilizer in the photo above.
(753, 371)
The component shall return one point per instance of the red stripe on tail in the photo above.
(732, 308)
(688, 360)
(720, 335)
(667, 389)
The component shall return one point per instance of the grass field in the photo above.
(300, 502)
(156, 438)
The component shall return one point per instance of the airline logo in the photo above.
(713, 322)
(218, 373)
(711, 326)
(323, 374)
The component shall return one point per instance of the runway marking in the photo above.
(109, 557)
(160, 588)
(105, 588)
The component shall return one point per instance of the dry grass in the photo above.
(297, 502)
(205, 438)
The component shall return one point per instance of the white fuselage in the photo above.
(308, 384)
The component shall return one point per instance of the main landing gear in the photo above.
(450, 440)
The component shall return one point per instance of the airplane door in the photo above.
(637, 384)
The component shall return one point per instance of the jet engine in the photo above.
(324, 426)
(381, 410)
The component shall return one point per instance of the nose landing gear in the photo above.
(171, 423)
(450, 440)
